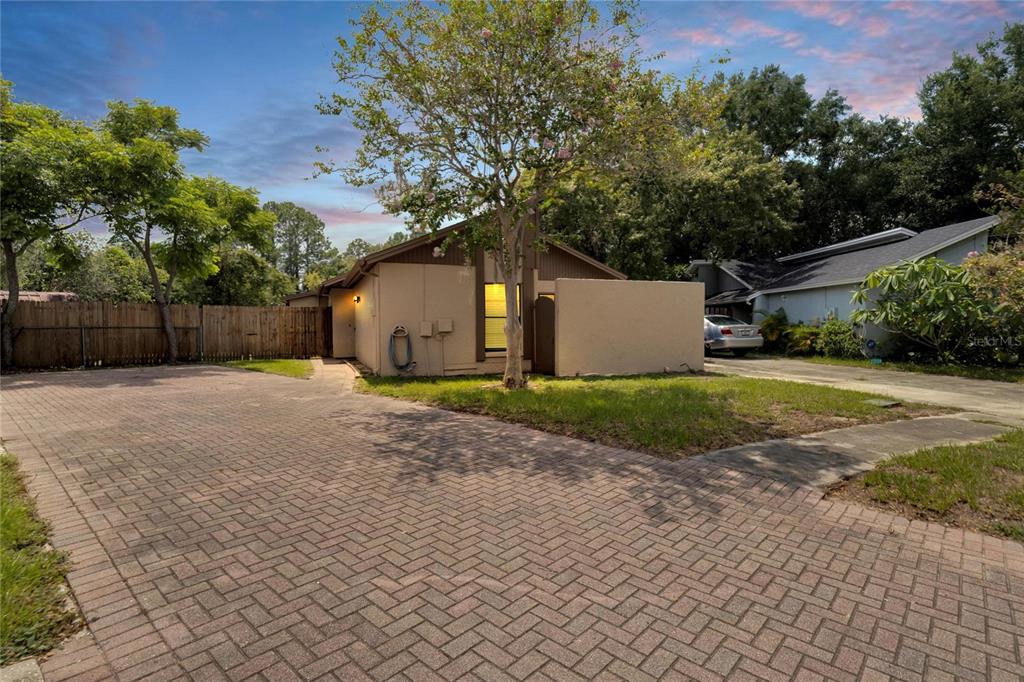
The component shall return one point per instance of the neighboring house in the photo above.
(450, 303)
(53, 296)
(812, 286)
(311, 298)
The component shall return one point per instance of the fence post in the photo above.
(81, 336)
(200, 333)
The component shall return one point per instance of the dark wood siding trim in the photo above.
(557, 264)
(478, 297)
(424, 255)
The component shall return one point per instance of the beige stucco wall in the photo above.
(367, 325)
(413, 293)
(343, 323)
(628, 327)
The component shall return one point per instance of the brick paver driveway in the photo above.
(228, 524)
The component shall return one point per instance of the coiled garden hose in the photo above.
(401, 367)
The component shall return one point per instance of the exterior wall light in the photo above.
(356, 298)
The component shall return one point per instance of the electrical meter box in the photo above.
(445, 326)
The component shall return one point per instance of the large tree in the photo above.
(770, 104)
(477, 109)
(849, 169)
(971, 133)
(47, 174)
(110, 273)
(173, 221)
(301, 247)
(715, 196)
(243, 277)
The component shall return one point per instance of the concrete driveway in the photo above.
(234, 525)
(1000, 399)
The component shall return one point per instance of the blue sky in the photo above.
(249, 74)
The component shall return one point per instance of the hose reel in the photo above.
(400, 332)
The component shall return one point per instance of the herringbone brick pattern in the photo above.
(234, 525)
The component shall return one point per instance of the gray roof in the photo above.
(844, 268)
(753, 274)
(730, 296)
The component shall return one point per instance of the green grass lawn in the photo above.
(1009, 374)
(298, 369)
(33, 610)
(671, 416)
(978, 486)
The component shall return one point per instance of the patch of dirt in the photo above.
(959, 516)
(791, 423)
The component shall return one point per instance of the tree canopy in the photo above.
(301, 247)
(49, 169)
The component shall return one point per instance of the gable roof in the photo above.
(753, 275)
(877, 239)
(853, 266)
(363, 265)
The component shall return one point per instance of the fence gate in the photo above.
(544, 335)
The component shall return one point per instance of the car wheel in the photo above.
(740, 352)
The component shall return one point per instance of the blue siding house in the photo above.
(812, 286)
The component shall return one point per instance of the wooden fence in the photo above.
(76, 334)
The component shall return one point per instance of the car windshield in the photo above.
(722, 320)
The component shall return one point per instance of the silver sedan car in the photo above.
(726, 333)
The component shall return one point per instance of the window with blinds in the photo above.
(494, 316)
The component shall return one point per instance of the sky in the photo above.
(249, 74)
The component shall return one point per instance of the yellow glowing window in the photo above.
(494, 316)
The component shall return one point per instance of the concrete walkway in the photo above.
(336, 374)
(1002, 400)
(821, 459)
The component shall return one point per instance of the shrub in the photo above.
(997, 279)
(802, 339)
(930, 302)
(774, 330)
(837, 339)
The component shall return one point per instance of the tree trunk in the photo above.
(165, 307)
(513, 326)
(13, 289)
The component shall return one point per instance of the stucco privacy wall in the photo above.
(625, 327)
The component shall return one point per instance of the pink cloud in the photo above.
(340, 216)
(948, 10)
(746, 26)
(874, 26)
(843, 58)
(840, 14)
(702, 36)
(883, 95)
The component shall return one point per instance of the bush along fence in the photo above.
(78, 334)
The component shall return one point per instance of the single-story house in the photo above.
(426, 307)
(813, 285)
(310, 298)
